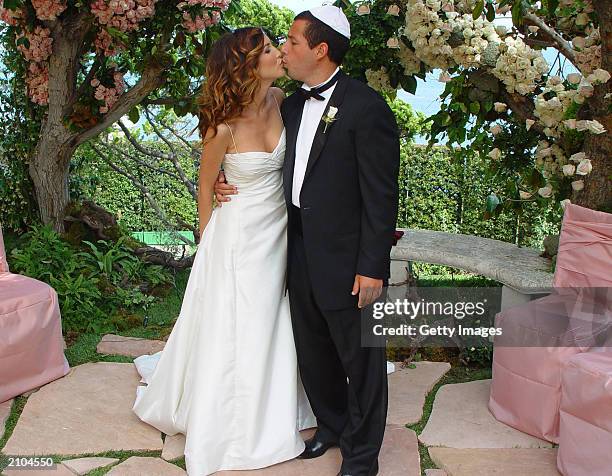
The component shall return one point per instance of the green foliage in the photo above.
(481, 356)
(410, 123)
(369, 44)
(18, 122)
(446, 190)
(100, 280)
(110, 255)
(273, 19)
(467, 111)
(93, 179)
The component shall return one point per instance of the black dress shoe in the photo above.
(315, 448)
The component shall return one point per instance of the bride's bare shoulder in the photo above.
(222, 133)
(279, 94)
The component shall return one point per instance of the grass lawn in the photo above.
(161, 317)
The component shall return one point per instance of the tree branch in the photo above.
(167, 101)
(139, 161)
(559, 42)
(152, 78)
(158, 133)
(163, 258)
(194, 151)
(183, 177)
(522, 107)
(68, 38)
(140, 148)
(145, 191)
(90, 74)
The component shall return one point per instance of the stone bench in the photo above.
(523, 273)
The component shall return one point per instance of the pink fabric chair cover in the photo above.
(585, 249)
(585, 443)
(539, 336)
(31, 344)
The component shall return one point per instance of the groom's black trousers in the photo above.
(329, 351)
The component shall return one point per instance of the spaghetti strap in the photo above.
(277, 107)
(233, 140)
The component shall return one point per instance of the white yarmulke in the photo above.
(333, 17)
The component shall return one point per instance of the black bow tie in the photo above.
(315, 93)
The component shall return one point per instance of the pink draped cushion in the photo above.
(585, 249)
(526, 387)
(527, 361)
(31, 344)
(585, 445)
(3, 263)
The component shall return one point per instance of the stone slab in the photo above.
(520, 268)
(87, 411)
(143, 465)
(460, 418)
(496, 462)
(435, 472)
(82, 466)
(174, 447)
(60, 470)
(128, 346)
(5, 412)
(408, 389)
(399, 456)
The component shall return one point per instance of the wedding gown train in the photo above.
(228, 376)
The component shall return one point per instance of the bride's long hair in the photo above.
(231, 77)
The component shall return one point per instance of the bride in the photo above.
(228, 377)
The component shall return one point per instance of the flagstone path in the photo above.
(88, 413)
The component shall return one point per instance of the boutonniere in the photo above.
(329, 117)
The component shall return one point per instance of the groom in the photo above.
(340, 181)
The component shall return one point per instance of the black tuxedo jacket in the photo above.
(349, 196)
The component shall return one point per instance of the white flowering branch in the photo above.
(559, 42)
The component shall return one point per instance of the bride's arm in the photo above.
(210, 163)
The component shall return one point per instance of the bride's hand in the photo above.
(223, 189)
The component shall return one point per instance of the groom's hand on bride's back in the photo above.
(223, 190)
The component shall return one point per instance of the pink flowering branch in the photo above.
(97, 62)
(151, 79)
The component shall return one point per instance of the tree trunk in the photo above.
(49, 171)
(50, 163)
(597, 193)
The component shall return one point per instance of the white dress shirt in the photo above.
(311, 118)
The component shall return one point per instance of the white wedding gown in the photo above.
(228, 376)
